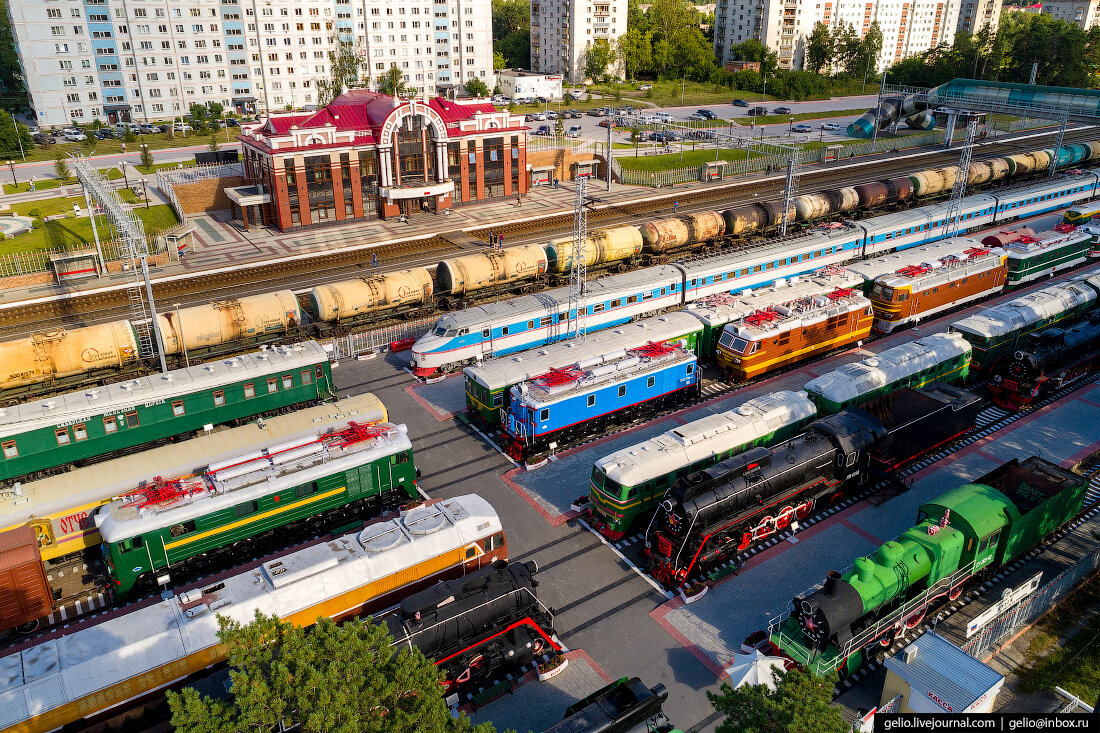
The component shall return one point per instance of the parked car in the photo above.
(757, 111)
(498, 99)
(664, 136)
(697, 117)
(593, 113)
(551, 115)
(707, 114)
(543, 130)
(41, 138)
(574, 114)
(782, 111)
(802, 127)
(181, 127)
(645, 87)
(830, 126)
(574, 131)
(606, 123)
(228, 120)
(64, 130)
(75, 136)
(102, 134)
(576, 95)
(739, 103)
(529, 117)
(148, 128)
(33, 129)
(118, 133)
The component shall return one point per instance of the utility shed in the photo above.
(932, 675)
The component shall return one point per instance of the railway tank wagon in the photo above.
(939, 357)
(488, 384)
(627, 485)
(552, 411)
(253, 319)
(965, 533)
(346, 302)
(80, 426)
(917, 292)
(602, 247)
(663, 235)
(1052, 359)
(994, 332)
(479, 627)
(59, 358)
(108, 660)
(489, 271)
(168, 523)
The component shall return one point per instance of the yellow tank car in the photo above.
(932, 182)
(65, 352)
(461, 275)
(222, 321)
(344, 299)
(603, 246)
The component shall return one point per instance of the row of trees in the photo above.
(842, 49)
(665, 42)
(1067, 55)
(348, 679)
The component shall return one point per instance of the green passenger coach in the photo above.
(994, 332)
(487, 384)
(941, 357)
(97, 421)
(163, 526)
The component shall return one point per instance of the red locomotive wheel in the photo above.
(886, 641)
(746, 540)
(955, 593)
(803, 510)
(913, 621)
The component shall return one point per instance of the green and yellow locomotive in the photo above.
(963, 534)
(175, 527)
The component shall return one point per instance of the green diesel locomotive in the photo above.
(965, 533)
(171, 528)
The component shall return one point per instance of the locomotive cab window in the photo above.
(497, 541)
(62, 436)
(851, 461)
(622, 390)
(498, 399)
(484, 333)
(304, 491)
(691, 369)
(989, 543)
(132, 420)
(129, 545)
(10, 449)
(471, 552)
(650, 382)
(402, 457)
(545, 413)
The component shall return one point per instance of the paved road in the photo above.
(44, 169)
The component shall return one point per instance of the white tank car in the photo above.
(235, 319)
(345, 299)
(64, 352)
(470, 273)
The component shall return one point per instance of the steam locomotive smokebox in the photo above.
(70, 266)
(24, 593)
(918, 420)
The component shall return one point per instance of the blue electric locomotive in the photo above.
(551, 411)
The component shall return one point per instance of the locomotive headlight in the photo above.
(996, 378)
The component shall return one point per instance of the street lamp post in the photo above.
(764, 89)
(18, 138)
(125, 180)
(11, 165)
(145, 193)
(790, 127)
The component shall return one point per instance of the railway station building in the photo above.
(368, 155)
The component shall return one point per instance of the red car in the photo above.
(606, 123)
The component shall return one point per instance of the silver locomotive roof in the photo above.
(889, 264)
(123, 396)
(1031, 308)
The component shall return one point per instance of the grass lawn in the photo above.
(48, 207)
(65, 232)
(672, 161)
(43, 185)
(158, 141)
(1074, 666)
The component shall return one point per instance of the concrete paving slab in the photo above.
(442, 399)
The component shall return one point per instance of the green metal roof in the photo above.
(982, 507)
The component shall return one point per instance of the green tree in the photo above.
(869, 49)
(392, 82)
(634, 48)
(499, 62)
(147, 157)
(128, 136)
(753, 50)
(215, 110)
(559, 126)
(512, 33)
(800, 703)
(11, 78)
(213, 144)
(819, 50)
(477, 87)
(11, 134)
(347, 70)
(848, 47)
(635, 138)
(327, 679)
(89, 142)
(61, 166)
(597, 57)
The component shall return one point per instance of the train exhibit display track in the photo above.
(302, 273)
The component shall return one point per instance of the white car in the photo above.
(645, 87)
(551, 115)
(181, 127)
(540, 115)
(574, 131)
(830, 126)
(75, 136)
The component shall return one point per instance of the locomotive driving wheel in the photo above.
(913, 621)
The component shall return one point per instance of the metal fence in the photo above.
(200, 172)
(1034, 606)
(26, 263)
(165, 187)
(357, 344)
(542, 143)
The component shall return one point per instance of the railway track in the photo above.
(301, 274)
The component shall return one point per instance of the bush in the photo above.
(35, 213)
(37, 223)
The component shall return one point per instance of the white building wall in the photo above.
(908, 26)
(561, 31)
(153, 59)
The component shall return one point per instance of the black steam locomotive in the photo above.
(478, 627)
(1053, 358)
(713, 514)
(622, 706)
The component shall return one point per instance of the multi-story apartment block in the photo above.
(976, 14)
(145, 60)
(563, 30)
(1083, 13)
(908, 26)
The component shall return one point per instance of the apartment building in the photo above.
(1083, 13)
(976, 14)
(562, 31)
(142, 60)
(908, 26)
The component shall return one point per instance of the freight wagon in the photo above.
(109, 660)
(162, 526)
(79, 426)
(967, 533)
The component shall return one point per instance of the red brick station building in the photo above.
(368, 155)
